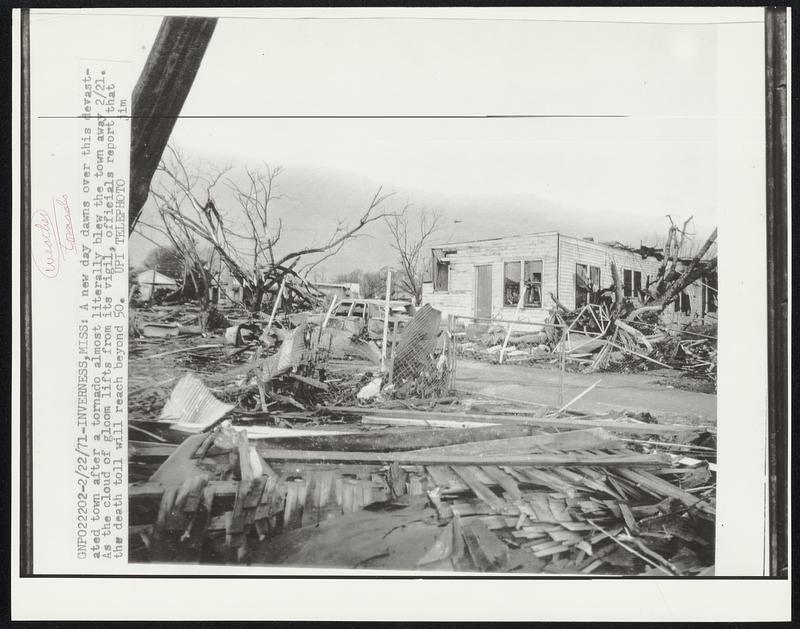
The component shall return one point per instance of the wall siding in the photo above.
(577, 251)
(559, 255)
(460, 298)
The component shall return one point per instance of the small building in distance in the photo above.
(483, 279)
(343, 290)
(151, 281)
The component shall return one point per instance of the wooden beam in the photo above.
(418, 458)
(555, 422)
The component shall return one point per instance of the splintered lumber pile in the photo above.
(613, 332)
(508, 494)
(575, 517)
(235, 497)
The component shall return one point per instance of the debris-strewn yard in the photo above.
(591, 341)
(294, 440)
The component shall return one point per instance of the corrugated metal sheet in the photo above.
(192, 405)
(289, 355)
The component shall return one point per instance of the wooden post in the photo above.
(330, 310)
(391, 354)
(278, 298)
(562, 366)
(386, 319)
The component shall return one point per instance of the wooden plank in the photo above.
(568, 538)
(553, 550)
(495, 522)
(562, 422)
(256, 492)
(310, 506)
(398, 438)
(665, 488)
(252, 500)
(467, 474)
(421, 421)
(590, 438)
(165, 506)
(630, 521)
(264, 508)
(533, 534)
(541, 477)
(559, 510)
(146, 449)
(515, 473)
(237, 516)
(538, 460)
(243, 448)
(176, 518)
(488, 552)
(293, 507)
(505, 481)
(541, 507)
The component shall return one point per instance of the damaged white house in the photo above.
(483, 279)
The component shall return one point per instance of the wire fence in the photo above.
(423, 361)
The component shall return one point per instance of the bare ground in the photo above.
(539, 386)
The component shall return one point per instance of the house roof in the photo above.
(151, 276)
(444, 245)
(345, 285)
(612, 245)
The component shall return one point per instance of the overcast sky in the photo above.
(608, 177)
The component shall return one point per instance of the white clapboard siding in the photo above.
(559, 255)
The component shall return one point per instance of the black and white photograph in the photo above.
(411, 293)
(480, 345)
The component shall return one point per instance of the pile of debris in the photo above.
(593, 339)
(610, 331)
(273, 374)
(596, 340)
(470, 492)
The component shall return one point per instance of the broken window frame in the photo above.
(627, 283)
(533, 294)
(359, 310)
(583, 296)
(512, 299)
(343, 313)
(637, 284)
(595, 284)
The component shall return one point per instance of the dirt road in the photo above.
(616, 391)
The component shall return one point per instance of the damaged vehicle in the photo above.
(365, 317)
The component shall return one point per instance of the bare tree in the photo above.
(198, 261)
(242, 234)
(671, 279)
(409, 233)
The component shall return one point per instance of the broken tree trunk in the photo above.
(688, 276)
(159, 95)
